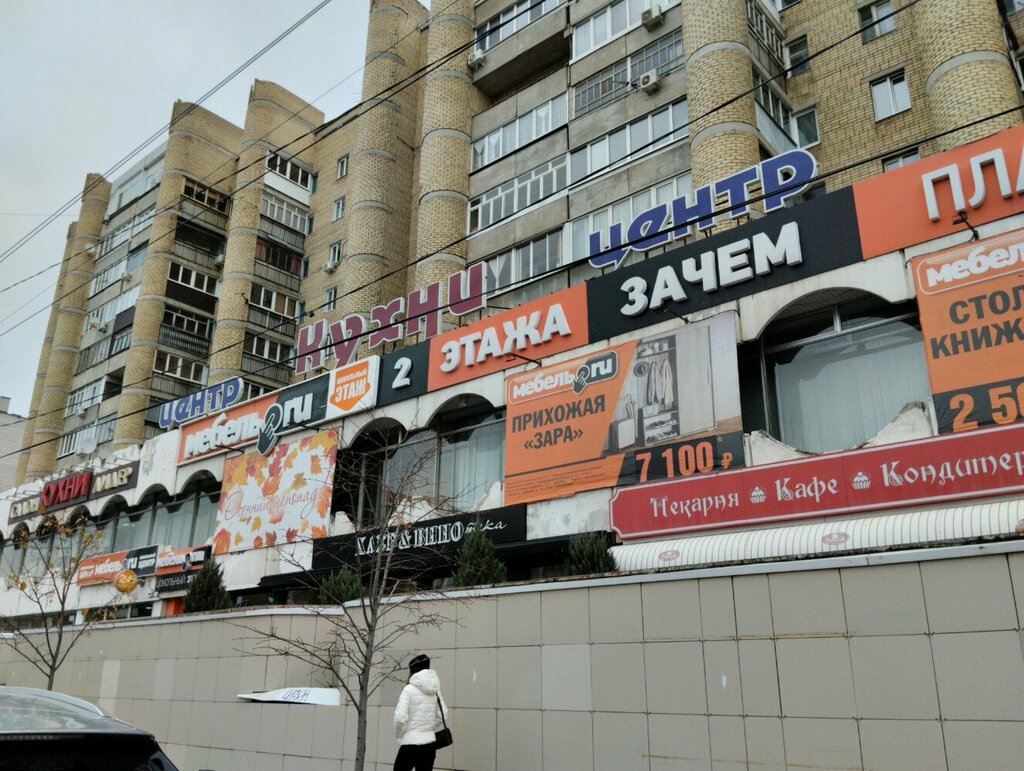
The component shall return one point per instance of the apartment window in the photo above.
(120, 341)
(806, 124)
(643, 135)
(537, 257)
(797, 52)
(286, 213)
(623, 211)
(511, 20)
(274, 301)
(252, 390)
(178, 366)
(187, 321)
(206, 196)
(611, 21)
(86, 439)
(268, 349)
(125, 231)
(335, 252)
(517, 194)
(339, 208)
(291, 170)
(192, 278)
(869, 20)
(890, 95)
(85, 397)
(342, 166)
(901, 159)
(617, 79)
(108, 276)
(521, 131)
(330, 298)
(771, 100)
(93, 355)
(833, 374)
(97, 317)
(278, 256)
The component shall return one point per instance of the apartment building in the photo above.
(507, 197)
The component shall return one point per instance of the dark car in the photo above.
(53, 732)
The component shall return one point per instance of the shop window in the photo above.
(833, 370)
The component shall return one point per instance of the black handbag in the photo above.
(442, 738)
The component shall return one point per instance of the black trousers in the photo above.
(415, 757)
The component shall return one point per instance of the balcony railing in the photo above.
(198, 256)
(271, 322)
(254, 365)
(292, 238)
(184, 341)
(777, 137)
(196, 212)
(282, 277)
(172, 386)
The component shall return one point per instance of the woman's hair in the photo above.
(420, 662)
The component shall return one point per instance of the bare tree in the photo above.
(46, 578)
(361, 647)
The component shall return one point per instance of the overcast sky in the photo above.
(86, 81)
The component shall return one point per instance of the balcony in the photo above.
(254, 365)
(777, 138)
(528, 51)
(287, 236)
(195, 255)
(766, 38)
(172, 386)
(271, 322)
(184, 341)
(196, 212)
(278, 276)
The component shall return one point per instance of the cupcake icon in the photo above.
(861, 481)
(757, 495)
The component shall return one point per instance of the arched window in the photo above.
(832, 370)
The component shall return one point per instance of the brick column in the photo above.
(967, 72)
(718, 67)
(67, 333)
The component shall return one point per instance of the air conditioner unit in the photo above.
(101, 327)
(649, 82)
(331, 266)
(82, 411)
(476, 59)
(652, 18)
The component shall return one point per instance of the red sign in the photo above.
(970, 465)
(65, 490)
(544, 327)
(919, 202)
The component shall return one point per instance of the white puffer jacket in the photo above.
(417, 717)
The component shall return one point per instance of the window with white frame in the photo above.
(93, 355)
(870, 15)
(890, 95)
(617, 79)
(339, 208)
(342, 168)
(126, 230)
(289, 214)
(179, 274)
(640, 136)
(511, 20)
(334, 252)
(179, 367)
(86, 439)
(108, 276)
(268, 349)
(537, 257)
(805, 125)
(623, 211)
(515, 195)
(608, 23)
(772, 100)
(85, 397)
(330, 298)
(506, 139)
(274, 301)
(797, 53)
(100, 316)
(900, 159)
(188, 321)
(206, 195)
(290, 169)
(251, 390)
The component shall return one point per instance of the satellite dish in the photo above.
(88, 446)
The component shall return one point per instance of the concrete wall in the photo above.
(882, 662)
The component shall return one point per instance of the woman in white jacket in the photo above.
(418, 717)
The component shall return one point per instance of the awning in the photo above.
(905, 528)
